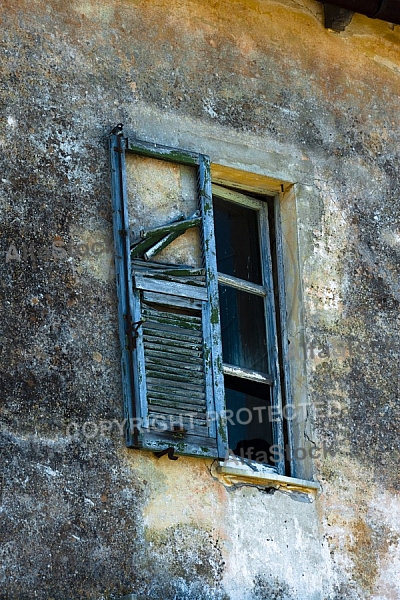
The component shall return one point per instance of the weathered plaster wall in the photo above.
(261, 86)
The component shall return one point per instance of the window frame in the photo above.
(119, 145)
(264, 290)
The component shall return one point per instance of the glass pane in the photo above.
(244, 341)
(237, 241)
(249, 419)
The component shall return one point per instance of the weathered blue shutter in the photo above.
(169, 325)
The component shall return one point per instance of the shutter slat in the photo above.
(175, 375)
(185, 416)
(162, 353)
(197, 409)
(163, 396)
(159, 316)
(168, 362)
(165, 421)
(165, 346)
(173, 335)
(172, 331)
(176, 370)
(182, 344)
(196, 445)
(198, 281)
(155, 298)
(164, 383)
(170, 287)
(164, 318)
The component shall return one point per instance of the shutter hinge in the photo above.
(169, 451)
(132, 332)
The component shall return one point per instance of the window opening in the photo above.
(248, 325)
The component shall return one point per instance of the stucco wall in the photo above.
(260, 86)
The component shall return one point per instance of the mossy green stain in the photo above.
(207, 356)
(214, 317)
(211, 275)
(171, 155)
(222, 430)
(180, 447)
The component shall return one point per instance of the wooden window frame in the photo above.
(266, 292)
(129, 318)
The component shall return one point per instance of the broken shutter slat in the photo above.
(140, 247)
(175, 227)
(159, 246)
(154, 240)
(145, 242)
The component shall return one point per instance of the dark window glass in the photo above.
(237, 241)
(243, 329)
(249, 419)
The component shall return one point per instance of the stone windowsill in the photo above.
(234, 472)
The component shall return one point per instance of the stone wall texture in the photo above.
(83, 517)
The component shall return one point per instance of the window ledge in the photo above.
(233, 472)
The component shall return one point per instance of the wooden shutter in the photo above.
(169, 324)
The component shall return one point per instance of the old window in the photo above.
(248, 325)
(197, 268)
